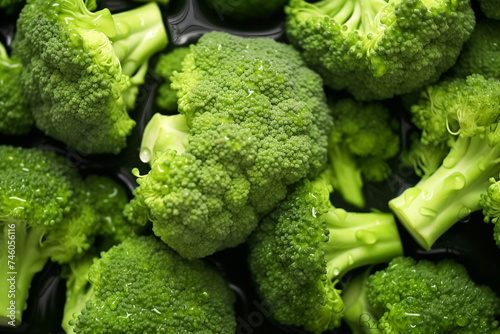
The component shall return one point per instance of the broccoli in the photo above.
(253, 121)
(481, 53)
(377, 49)
(420, 297)
(490, 204)
(425, 159)
(490, 8)
(302, 249)
(364, 136)
(467, 110)
(248, 9)
(15, 116)
(48, 212)
(81, 70)
(142, 286)
(166, 66)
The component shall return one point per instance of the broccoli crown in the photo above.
(490, 204)
(481, 53)
(258, 122)
(468, 112)
(78, 67)
(301, 250)
(142, 285)
(490, 8)
(248, 9)
(379, 48)
(364, 136)
(167, 64)
(15, 117)
(427, 297)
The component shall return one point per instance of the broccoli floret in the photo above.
(424, 297)
(364, 136)
(256, 121)
(166, 66)
(45, 213)
(467, 110)
(302, 249)
(377, 49)
(425, 159)
(15, 117)
(142, 286)
(248, 9)
(490, 204)
(481, 53)
(81, 70)
(490, 8)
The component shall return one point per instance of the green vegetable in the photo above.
(424, 297)
(81, 70)
(167, 65)
(302, 249)
(142, 286)
(253, 121)
(481, 53)
(377, 49)
(15, 116)
(490, 204)
(246, 9)
(490, 8)
(467, 110)
(364, 136)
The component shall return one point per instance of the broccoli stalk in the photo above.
(164, 133)
(453, 191)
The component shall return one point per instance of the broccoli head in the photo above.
(302, 249)
(420, 297)
(377, 49)
(141, 285)
(253, 121)
(464, 113)
(15, 116)
(481, 53)
(249, 9)
(81, 69)
(490, 204)
(167, 64)
(490, 8)
(364, 136)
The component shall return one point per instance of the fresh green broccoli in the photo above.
(142, 286)
(424, 297)
(425, 159)
(81, 70)
(469, 111)
(364, 136)
(15, 116)
(490, 8)
(248, 9)
(167, 64)
(253, 121)
(481, 53)
(377, 49)
(490, 204)
(302, 249)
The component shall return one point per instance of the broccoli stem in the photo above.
(345, 175)
(140, 34)
(30, 258)
(358, 239)
(164, 133)
(436, 203)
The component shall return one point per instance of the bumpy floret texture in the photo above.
(481, 53)
(490, 203)
(15, 116)
(167, 64)
(427, 297)
(490, 8)
(71, 78)
(288, 264)
(259, 122)
(382, 49)
(246, 9)
(142, 286)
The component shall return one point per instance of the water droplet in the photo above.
(350, 259)
(145, 154)
(426, 212)
(410, 195)
(366, 237)
(336, 271)
(455, 181)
